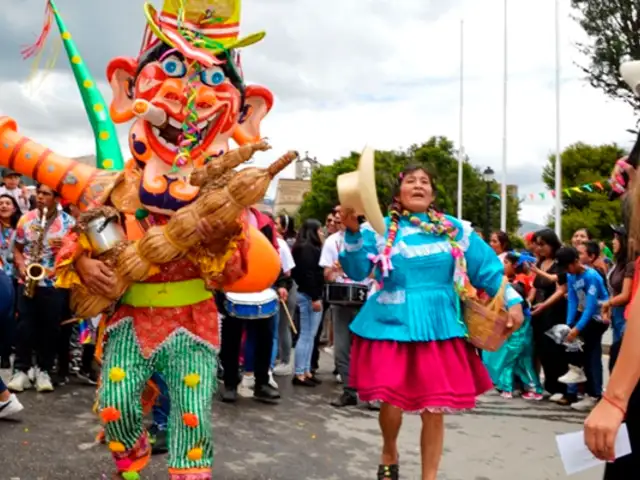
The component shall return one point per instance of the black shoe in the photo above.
(307, 382)
(374, 406)
(158, 440)
(347, 399)
(388, 472)
(315, 380)
(5, 364)
(230, 395)
(266, 394)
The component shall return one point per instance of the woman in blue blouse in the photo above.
(9, 216)
(409, 350)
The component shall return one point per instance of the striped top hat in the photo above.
(199, 29)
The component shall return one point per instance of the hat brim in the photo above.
(151, 15)
(357, 190)
(618, 230)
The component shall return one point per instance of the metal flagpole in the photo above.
(461, 120)
(558, 188)
(503, 190)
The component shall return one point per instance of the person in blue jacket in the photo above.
(410, 350)
(586, 291)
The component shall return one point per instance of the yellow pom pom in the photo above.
(66, 36)
(117, 447)
(76, 59)
(195, 454)
(192, 380)
(116, 374)
(87, 84)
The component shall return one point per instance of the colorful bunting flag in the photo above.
(586, 188)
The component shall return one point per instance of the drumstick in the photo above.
(286, 311)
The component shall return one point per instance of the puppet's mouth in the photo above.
(172, 134)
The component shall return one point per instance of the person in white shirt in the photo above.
(12, 187)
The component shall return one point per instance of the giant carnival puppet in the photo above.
(168, 227)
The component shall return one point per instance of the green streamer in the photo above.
(108, 152)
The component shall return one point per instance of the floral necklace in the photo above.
(438, 224)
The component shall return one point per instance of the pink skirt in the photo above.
(439, 376)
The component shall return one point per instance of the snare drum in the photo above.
(252, 306)
(347, 294)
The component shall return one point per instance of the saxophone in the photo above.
(35, 270)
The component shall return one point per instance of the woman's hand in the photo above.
(316, 305)
(601, 429)
(350, 219)
(515, 318)
(605, 310)
(537, 309)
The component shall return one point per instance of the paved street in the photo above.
(303, 438)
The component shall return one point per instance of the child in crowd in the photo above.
(586, 290)
(514, 360)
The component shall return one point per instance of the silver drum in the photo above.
(104, 234)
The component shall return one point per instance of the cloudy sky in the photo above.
(346, 74)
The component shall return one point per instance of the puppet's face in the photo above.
(166, 94)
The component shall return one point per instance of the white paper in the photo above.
(575, 455)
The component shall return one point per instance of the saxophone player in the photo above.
(38, 239)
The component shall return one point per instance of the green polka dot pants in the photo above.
(188, 367)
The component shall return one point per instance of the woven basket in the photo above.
(487, 322)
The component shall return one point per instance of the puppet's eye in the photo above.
(213, 76)
(174, 67)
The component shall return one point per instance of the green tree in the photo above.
(613, 28)
(583, 164)
(439, 156)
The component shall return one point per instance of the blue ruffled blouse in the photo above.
(418, 301)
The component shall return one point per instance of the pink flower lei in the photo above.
(438, 224)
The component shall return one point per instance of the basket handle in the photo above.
(497, 302)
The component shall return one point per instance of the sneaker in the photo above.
(43, 382)
(230, 395)
(266, 394)
(338, 379)
(282, 370)
(573, 376)
(532, 396)
(556, 397)
(245, 389)
(272, 382)
(19, 382)
(347, 399)
(507, 395)
(10, 407)
(158, 440)
(585, 405)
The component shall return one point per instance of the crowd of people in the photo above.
(377, 344)
(583, 285)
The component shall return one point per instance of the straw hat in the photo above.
(630, 73)
(357, 190)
